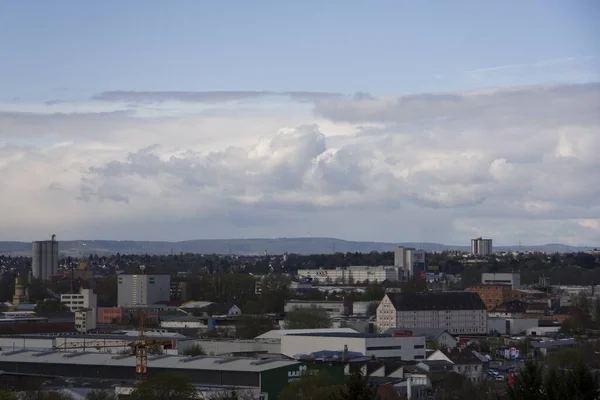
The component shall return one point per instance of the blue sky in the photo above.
(73, 49)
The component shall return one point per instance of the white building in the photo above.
(378, 345)
(44, 258)
(457, 312)
(85, 320)
(510, 279)
(86, 298)
(481, 247)
(353, 274)
(84, 304)
(403, 258)
(136, 290)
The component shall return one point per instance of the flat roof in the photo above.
(163, 361)
(278, 333)
(106, 336)
(348, 335)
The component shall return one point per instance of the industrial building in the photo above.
(511, 326)
(136, 290)
(460, 313)
(44, 258)
(268, 376)
(481, 247)
(118, 341)
(407, 348)
(513, 280)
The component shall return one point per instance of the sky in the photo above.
(394, 121)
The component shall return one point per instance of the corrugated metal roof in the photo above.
(174, 362)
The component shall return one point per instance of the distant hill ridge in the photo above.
(257, 246)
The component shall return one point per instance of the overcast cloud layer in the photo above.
(517, 164)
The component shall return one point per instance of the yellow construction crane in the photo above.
(139, 346)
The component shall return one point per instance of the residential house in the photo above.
(463, 361)
(440, 337)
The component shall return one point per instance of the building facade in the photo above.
(463, 361)
(349, 275)
(84, 304)
(86, 298)
(410, 261)
(141, 290)
(85, 319)
(460, 313)
(44, 258)
(407, 348)
(513, 280)
(481, 247)
(493, 295)
(403, 257)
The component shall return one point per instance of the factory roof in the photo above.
(278, 333)
(429, 333)
(555, 344)
(161, 361)
(344, 334)
(436, 301)
(195, 304)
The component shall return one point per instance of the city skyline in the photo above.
(394, 122)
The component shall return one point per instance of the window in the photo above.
(419, 357)
(419, 346)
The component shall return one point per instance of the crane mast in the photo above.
(141, 351)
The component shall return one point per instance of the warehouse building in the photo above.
(459, 313)
(269, 376)
(103, 343)
(407, 348)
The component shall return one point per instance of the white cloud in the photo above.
(513, 164)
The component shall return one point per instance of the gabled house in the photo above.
(224, 309)
(440, 337)
(464, 362)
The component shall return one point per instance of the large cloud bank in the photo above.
(518, 164)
